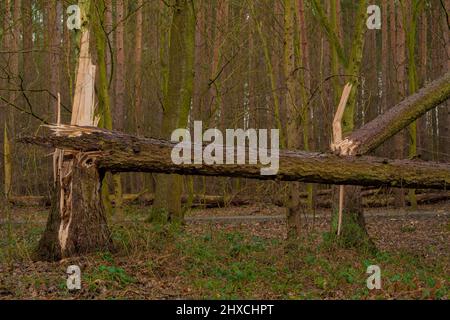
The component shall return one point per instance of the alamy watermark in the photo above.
(235, 150)
(74, 17)
(374, 19)
(74, 277)
(374, 280)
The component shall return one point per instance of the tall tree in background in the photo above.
(54, 13)
(271, 73)
(304, 83)
(138, 110)
(354, 232)
(293, 133)
(384, 56)
(443, 24)
(400, 66)
(11, 40)
(27, 28)
(98, 10)
(215, 99)
(177, 104)
(411, 12)
(119, 100)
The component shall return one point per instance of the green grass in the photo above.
(221, 263)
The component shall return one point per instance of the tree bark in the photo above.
(177, 103)
(119, 152)
(138, 110)
(77, 222)
(119, 100)
(293, 132)
(400, 67)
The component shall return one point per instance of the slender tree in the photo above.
(119, 100)
(177, 104)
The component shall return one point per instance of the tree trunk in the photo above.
(214, 94)
(422, 138)
(119, 112)
(293, 133)
(444, 113)
(54, 33)
(400, 66)
(27, 27)
(138, 111)
(384, 63)
(119, 152)
(82, 226)
(10, 74)
(271, 73)
(305, 86)
(177, 104)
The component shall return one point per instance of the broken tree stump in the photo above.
(81, 227)
(77, 221)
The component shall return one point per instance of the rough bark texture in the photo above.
(81, 227)
(177, 103)
(293, 133)
(119, 152)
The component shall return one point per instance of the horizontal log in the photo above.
(119, 152)
(212, 201)
(373, 134)
(29, 201)
(376, 202)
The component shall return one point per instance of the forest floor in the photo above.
(235, 258)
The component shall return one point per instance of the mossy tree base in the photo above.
(353, 229)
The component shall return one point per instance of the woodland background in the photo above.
(241, 64)
(161, 64)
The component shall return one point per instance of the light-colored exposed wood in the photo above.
(337, 141)
(82, 115)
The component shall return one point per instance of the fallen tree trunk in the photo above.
(371, 197)
(119, 152)
(30, 201)
(374, 133)
(198, 200)
(376, 202)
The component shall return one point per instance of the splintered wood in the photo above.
(84, 98)
(82, 115)
(339, 146)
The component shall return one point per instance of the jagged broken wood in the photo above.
(374, 133)
(77, 222)
(119, 152)
(337, 139)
